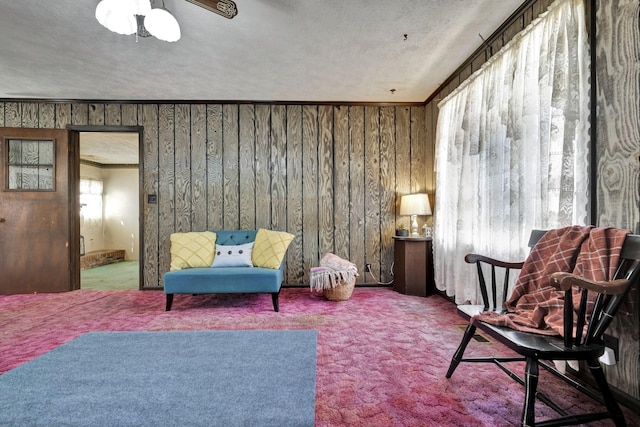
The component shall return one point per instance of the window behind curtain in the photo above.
(91, 199)
(512, 148)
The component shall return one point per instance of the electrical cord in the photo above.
(368, 270)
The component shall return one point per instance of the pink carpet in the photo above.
(382, 356)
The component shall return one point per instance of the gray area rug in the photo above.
(195, 378)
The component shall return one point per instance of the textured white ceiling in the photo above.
(110, 148)
(273, 50)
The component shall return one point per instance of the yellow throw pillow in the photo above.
(193, 249)
(270, 247)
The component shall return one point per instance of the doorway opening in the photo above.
(109, 219)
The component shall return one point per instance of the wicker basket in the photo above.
(341, 292)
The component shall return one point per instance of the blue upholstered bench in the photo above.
(206, 280)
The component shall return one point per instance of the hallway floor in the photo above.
(117, 276)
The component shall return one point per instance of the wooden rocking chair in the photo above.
(534, 348)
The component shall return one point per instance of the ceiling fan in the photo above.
(226, 8)
(139, 17)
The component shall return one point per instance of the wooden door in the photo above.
(35, 211)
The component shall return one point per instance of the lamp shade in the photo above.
(415, 204)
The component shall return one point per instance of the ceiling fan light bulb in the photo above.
(119, 15)
(141, 7)
(121, 24)
(125, 7)
(162, 25)
(103, 10)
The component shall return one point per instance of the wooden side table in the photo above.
(413, 266)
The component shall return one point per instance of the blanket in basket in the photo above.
(332, 272)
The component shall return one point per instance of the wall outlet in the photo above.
(367, 267)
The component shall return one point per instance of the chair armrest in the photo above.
(565, 281)
(473, 258)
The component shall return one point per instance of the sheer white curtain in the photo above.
(512, 149)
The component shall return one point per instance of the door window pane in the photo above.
(30, 165)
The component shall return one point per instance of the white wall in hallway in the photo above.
(121, 211)
(91, 228)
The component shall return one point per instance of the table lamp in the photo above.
(414, 205)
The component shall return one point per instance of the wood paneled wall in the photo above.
(618, 166)
(330, 174)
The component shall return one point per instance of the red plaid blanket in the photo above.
(536, 306)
